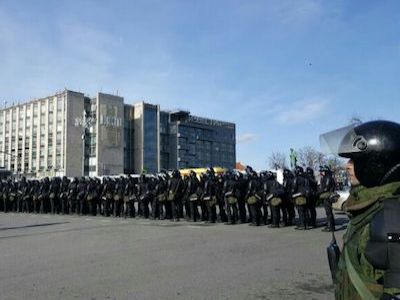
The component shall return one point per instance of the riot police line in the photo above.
(231, 197)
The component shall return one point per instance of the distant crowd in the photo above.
(229, 197)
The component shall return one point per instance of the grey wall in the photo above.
(73, 137)
(110, 134)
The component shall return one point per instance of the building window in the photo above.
(59, 104)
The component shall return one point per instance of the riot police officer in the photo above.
(209, 196)
(72, 193)
(263, 193)
(92, 196)
(231, 195)
(193, 195)
(27, 193)
(130, 198)
(326, 189)
(175, 186)
(253, 198)
(369, 265)
(274, 196)
(162, 195)
(312, 198)
(44, 195)
(54, 190)
(81, 196)
(64, 195)
(145, 196)
(288, 213)
(22, 191)
(241, 186)
(107, 196)
(300, 193)
(35, 195)
(119, 196)
(219, 185)
(12, 194)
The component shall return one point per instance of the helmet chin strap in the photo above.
(390, 173)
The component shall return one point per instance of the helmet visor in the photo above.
(342, 141)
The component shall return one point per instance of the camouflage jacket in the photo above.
(355, 273)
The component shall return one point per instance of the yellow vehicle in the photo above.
(200, 171)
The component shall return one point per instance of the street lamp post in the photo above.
(85, 122)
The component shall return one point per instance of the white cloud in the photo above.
(79, 57)
(246, 138)
(302, 112)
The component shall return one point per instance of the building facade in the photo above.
(71, 134)
(200, 142)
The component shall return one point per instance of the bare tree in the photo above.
(335, 163)
(277, 160)
(309, 157)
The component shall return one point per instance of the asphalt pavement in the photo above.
(82, 257)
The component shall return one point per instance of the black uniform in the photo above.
(54, 191)
(209, 196)
(81, 196)
(130, 198)
(145, 196)
(64, 195)
(241, 194)
(253, 199)
(312, 199)
(162, 194)
(106, 196)
(326, 189)
(72, 196)
(300, 193)
(175, 186)
(35, 195)
(119, 196)
(288, 213)
(193, 195)
(44, 195)
(23, 190)
(275, 194)
(219, 186)
(12, 194)
(230, 192)
(92, 196)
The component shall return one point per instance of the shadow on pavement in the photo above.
(33, 225)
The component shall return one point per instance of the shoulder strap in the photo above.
(356, 280)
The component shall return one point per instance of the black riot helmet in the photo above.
(374, 148)
(324, 169)
(299, 170)
(269, 175)
(310, 171)
(287, 173)
(176, 173)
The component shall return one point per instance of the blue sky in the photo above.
(283, 71)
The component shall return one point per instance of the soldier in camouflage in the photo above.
(369, 265)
